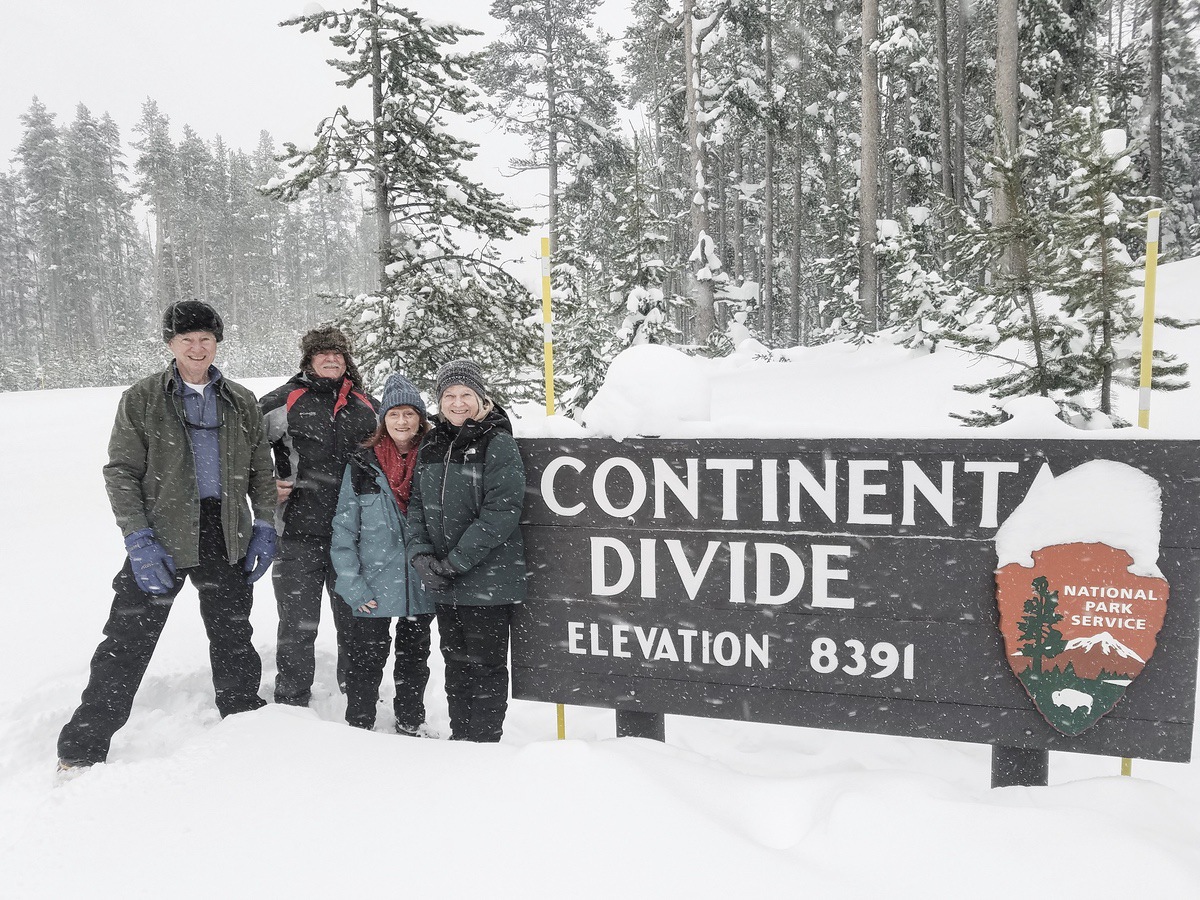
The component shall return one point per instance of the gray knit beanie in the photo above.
(399, 391)
(460, 371)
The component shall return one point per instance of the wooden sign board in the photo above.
(841, 584)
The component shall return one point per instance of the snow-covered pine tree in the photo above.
(1097, 214)
(442, 291)
(550, 82)
(913, 290)
(126, 250)
(702, 24)
(196, 173)
(549, 77)
(18, 288)
(639, 267)
(104, 256)
(157, 185)
(1010, 317)
(652, 64)
(84, 278)
(43, 170)
(1178, 118)
(923, 297)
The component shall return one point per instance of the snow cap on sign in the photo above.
(1099, 502)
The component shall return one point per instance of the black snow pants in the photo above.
(132, 631)
(300, 573)
(370, 642)
(474, 641)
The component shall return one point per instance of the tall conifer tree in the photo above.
(442, 292)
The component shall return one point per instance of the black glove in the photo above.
(436, 574)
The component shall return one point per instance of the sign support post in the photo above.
(1017, 767)
(1153, 219)
(548, 356)
(635, 723)
(1147, 368)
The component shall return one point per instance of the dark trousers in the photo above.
(132, 632)
(370, 642)
(300, 573)
(474, 642)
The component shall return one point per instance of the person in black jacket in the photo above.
(314, 423)
(465, 515)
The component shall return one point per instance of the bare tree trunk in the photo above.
(768, 284)
(697, 144)
(552, 130)
(887, 175)
(160, 292)
(1154, 104)
(797, 238)
(383, 219)
(960, 115)
(943, 83)
(1006, 193)
(1007, 87)
(721, 181)
(739, 212)
(868, 290)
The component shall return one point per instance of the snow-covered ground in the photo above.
(293, 803)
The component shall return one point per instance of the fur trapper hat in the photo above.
(185, 316)
(327, 338)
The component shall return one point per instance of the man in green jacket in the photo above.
(186, 450)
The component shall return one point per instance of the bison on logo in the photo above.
(1078, 628)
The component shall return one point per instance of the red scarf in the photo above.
(398, 468)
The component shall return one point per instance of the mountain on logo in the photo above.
(1099, 653)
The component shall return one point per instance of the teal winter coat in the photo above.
(468, 493)
(368, 548)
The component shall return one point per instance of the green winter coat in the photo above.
(151, 473)
(468, 493)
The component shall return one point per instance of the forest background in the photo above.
(801, 172)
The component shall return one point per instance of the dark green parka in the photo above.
(468, 493)
(151, 474)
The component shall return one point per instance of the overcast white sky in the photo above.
(222, 66)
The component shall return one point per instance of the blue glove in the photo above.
(264, 544)
(153, 568)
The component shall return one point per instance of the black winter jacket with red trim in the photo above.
(314, 425)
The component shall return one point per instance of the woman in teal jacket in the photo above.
(466, 544)
(370, 534)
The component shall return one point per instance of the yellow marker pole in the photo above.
(1147, 368)
(548, 354)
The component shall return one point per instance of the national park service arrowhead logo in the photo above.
(1081, 623)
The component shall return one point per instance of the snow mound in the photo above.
(649, 390)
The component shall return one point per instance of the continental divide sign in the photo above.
(853, 585)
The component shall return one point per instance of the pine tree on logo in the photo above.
(1043, 640)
